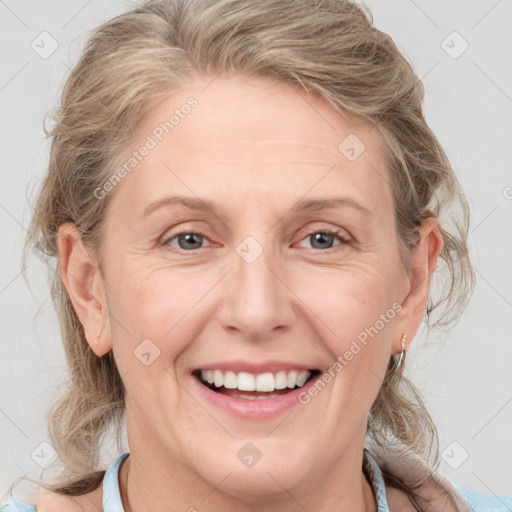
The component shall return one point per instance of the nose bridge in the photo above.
(258, 300)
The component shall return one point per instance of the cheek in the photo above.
(351, 299)
(355, 313)
(156, 312)
(144, 311)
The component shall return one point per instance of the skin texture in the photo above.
(255, 147)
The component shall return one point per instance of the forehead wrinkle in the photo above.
(279, 143)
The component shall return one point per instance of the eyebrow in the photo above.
(208, 206)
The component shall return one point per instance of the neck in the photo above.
(151, 479)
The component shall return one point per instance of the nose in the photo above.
(257, 302)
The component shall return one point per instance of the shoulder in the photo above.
(481, 502)
(53, 502)
(16, 505)
(48, 501)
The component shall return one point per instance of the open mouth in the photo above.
(250, 386)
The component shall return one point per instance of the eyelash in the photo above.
(327, 231)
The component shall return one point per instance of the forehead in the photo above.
(225, 135)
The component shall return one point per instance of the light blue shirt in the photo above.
(478, 502)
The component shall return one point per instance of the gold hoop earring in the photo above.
(402, 354)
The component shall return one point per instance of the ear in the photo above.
(423, 263)
(84, 283)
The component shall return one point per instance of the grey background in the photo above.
(465, 374)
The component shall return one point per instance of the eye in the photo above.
(190, 240)
(187, 240)
(324, 238)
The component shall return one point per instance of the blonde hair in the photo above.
(329, 47)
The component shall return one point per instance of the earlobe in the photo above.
(424, 258)
(83, 281)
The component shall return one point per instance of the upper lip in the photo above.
(254, 367)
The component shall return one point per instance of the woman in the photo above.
(256, 370)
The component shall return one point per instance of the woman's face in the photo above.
(251, 290)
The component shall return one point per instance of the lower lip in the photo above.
(260, 408)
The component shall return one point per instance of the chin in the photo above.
(259, 485)
(258, 470)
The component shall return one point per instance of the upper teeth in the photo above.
(249, 382)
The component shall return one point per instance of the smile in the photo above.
(251, 386)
